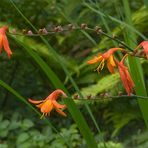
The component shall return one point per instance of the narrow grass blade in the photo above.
(135, 66)
(76, 114)
(116, 20)
(67, 73)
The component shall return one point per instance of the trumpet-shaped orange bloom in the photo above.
(50, 103)
(4, 41)
(144, 44)
(127, 81)
(106, 56)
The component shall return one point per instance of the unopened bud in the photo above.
(24, 31)
(14, 31)
(71, 27)
(44, 31)
(89, 96)
(58, 29)
(40, 31)
(29, 32)
(83, 26)
(98, 29)
(76, 96)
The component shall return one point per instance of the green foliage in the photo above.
(102, 85)
(110, 144)
(22, 133)
(30, 74)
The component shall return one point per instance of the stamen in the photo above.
(42, 116)
(101, 66)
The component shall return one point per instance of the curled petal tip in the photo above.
(35, 101)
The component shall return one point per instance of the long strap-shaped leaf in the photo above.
(65, 70)
(135, 66)
(21, 98)
(72, 107)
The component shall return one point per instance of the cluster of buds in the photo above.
(101, 96)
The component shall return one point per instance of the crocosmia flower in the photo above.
(4, 41)
(50, 103)
(144, 45)
(127, 81)
(107, 56)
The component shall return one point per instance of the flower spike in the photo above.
(50, 103)
(4, 41)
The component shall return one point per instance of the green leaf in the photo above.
(80, 119)
(135, 66)
(22, 138)
(103, 84)
(26, 124)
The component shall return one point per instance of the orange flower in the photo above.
(125, 76)
(106, 56)
(4, 41)
(50, 103)
(144, 44)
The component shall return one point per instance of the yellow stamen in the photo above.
(101, 66)
(42, 116)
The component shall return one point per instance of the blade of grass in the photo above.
(22, 99)
(135, 66)
(71, 79)
(76, 114)
(115, 20)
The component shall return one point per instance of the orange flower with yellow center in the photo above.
(4, 41)
(50, 103)
(106, 56)
(127, 81)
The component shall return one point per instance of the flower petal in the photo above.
(111, 64)
(57, 105)
(108, 53)
(47, 106)
(1, 42)
(55, 94)
(61, 112)
(35, 101)
(110, 68)
(95, 60)
(144, 44)
(6, 46)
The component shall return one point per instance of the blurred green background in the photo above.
(120, 119)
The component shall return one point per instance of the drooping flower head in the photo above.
(127, 81)
(106, 56)
(144, 45)
(4, 41)
(50, 103)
